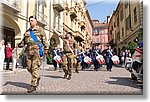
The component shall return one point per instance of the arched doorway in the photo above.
(54, 41)
(123, 48)
(115, 51)
(9, 30)
(119, 51)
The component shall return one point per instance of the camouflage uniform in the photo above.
(68, 57)
(32, 50)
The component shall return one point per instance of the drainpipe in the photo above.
(27, 14)
(50, 21)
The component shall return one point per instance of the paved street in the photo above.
(86, 82)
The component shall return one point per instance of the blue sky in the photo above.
(101, 10)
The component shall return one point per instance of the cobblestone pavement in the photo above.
(86, 82)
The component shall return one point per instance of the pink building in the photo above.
(100, 34)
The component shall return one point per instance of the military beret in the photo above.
(32, 17)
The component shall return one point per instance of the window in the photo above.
(121, 15)
(118, 36)
(114, 24)
(135, 15)
(126, 4)
(118, 21)
(122, 32)
(128, 22)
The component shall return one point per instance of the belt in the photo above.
(67, 52)
(33, 43)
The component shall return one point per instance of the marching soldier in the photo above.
(35, 39)
(69, 46)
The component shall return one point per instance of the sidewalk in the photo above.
(20, 68)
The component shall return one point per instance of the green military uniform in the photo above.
(32, 50)
(68, 56)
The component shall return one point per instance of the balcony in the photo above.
(58, 5)
(82, 24)
(66, 6)
(73, 12)
(41, 18)
(78, 36)
(12, 5)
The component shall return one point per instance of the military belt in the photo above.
(33, 43)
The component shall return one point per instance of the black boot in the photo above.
(65, 76)
(32, 89)
(38, 80)
(76, 71)
(69, 77)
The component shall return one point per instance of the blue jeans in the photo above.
(109, 63)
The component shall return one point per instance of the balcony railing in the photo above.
(78, 36)
(13, 5)
(58, 5)
(73, 12)
(41, 18)
(82, 23)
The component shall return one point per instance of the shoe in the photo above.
(65, 76)
(38, 80)
(76, 71)
(32, 89)
(69, 77)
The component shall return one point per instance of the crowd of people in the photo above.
(107, 53)
(8, 54)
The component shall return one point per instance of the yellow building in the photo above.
(57, 17)
(15, 17)
(125, 23)
(74, 20)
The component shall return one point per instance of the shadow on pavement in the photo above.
(125, 81)
(18, 84)
(53, 76)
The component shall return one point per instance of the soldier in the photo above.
(35, 39)
(69, 46)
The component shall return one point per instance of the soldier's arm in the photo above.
(44, 41)
(22, 43)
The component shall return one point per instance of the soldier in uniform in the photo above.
(69, 46)
(34, 51)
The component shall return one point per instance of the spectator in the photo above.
(2, 54)
(14, 58)
(8, 55)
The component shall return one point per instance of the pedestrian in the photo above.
(24, 57)
(8, 55)
(2, 54)
(35, 39)
(109, 54)
(69, 46)
(54, 53)
(14, 58)
(61, 54)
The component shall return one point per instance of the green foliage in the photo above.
(131, 46)
(140, 35)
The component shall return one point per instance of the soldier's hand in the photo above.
(46, 52)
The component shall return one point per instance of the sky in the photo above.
(100, 9)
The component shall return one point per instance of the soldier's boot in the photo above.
(76, 71)
(32, 89)
(38, 80)
(69, 77)
(65, 76)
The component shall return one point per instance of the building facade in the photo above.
(74, 20)
(89, 30)
(100, 34)
(15, 18)
(125, 23)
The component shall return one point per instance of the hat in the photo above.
(32, 17)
